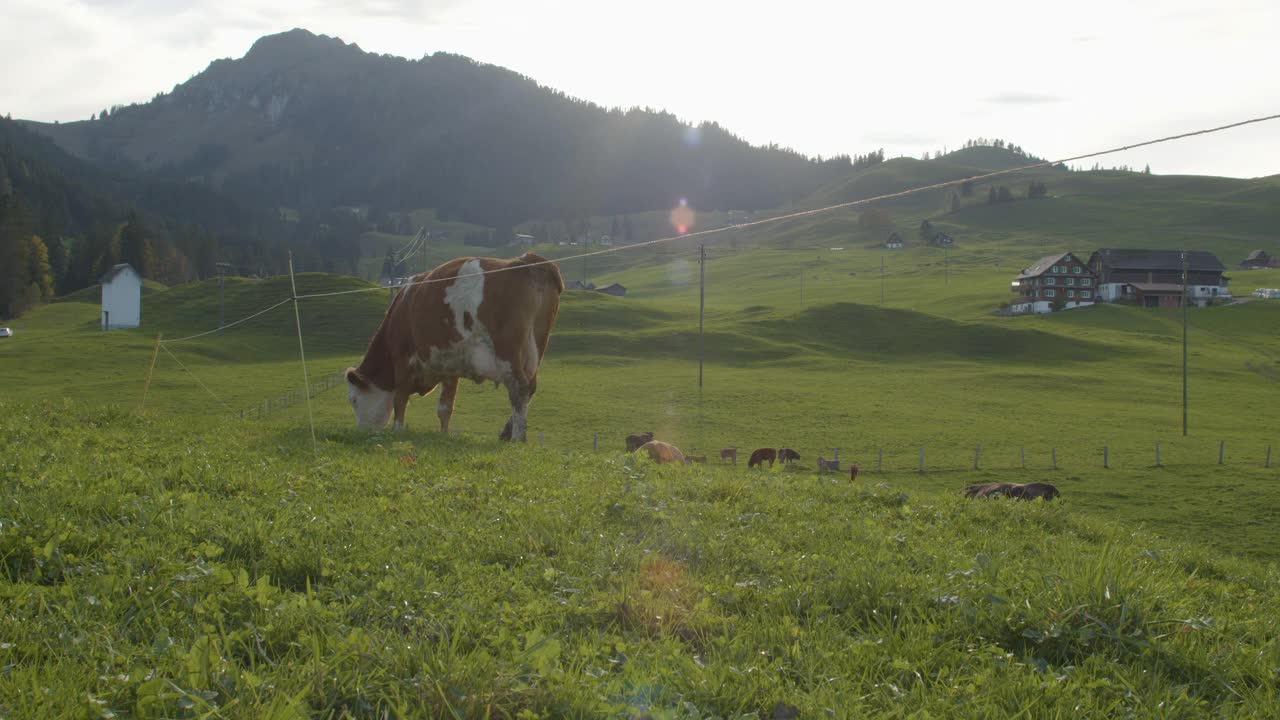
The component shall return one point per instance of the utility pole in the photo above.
(1184, 343)
(222, 274)
(702, 301)
(801, 286)
(945, 267)
(882, 279)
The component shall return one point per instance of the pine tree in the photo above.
(136, 245)
(955, 202)
(38, 274)
(926, 231)
(626, 229)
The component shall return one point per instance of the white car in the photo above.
(5, 332)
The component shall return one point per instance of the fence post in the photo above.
(977, 451)
(146, 387)
(539, 438)
(1157, 453)
(1222, 448)
(1106, 460)
(1054, 453)
(266, 408)
(835, 456)
(879, 459)
(595, 442)
(1268, 462)
(922, 459)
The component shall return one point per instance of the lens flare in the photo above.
(683, 217)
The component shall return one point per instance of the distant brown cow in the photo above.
(853, 472)
(635, 441)
(661, 452)
(691, 459)
(730, 454)
(1028, 491)
(787, 455)
(760, 455)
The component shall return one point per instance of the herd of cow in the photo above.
(489, 319)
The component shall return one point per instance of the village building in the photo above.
(1153, 278)
(941, 240)
(1258, 260)
(1054, 281)
(614, 289)
(895, 241)
(121, 298)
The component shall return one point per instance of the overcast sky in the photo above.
(1057, 78)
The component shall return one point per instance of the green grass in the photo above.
(205, 569)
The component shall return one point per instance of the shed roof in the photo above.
(1131, 259)
(1039, 267)
(115, 271)
(1258, 255)
(1158, 288)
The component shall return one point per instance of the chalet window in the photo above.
(1076, 270)
(1069, 281)
(1050, 293)
(1085, 294)
(1086, 282)
(1050, 281)
(1071, 293)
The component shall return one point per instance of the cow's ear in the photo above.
(355, 378)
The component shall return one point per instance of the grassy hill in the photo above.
(161, 569)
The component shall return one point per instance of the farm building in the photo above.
(895, 241)
(941, 240)
(1060, 279)
(1153, 278)
(613, 289)
(1257, 260)
(579, 285)
(121, 298)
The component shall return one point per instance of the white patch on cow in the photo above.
(531, 358)
(372, 405)
(465, 295)
(473, 357)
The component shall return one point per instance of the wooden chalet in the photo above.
(1153, 278)
(1258, 260)
(1061, 279)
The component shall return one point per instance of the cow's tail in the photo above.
(543, 269)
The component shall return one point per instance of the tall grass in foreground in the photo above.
(154, 569)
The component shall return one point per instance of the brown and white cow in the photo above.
(461, 320)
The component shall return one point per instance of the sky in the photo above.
(824, 78)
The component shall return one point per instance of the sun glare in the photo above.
(683, 217)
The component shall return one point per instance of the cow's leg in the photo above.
(444, 408)
(516, 427)
(400, 401)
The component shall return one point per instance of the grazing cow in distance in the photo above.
(787, 455)
(635, 441)
(853, 472)
(661, 452)
(473, 317)
(730, 454)
(1028, 491)
(761, 455)
(691, 459)
(825, 465)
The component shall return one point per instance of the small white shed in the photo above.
(121, 298)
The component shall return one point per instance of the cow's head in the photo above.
(372, 404)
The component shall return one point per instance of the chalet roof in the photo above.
(1130, 259)
(114, 271)
(1158, 287)
(1039, 267)
(1258, 255)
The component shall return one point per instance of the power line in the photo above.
(828, 208)
(218, 329)
(193, 377)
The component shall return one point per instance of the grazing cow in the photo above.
(691, 459)
(853, 472)
(759, 456)
(787, 455)
(1028, 491)
(730, 454)
(462, 320)
(661, 452)
(825, 465)
(635, 441)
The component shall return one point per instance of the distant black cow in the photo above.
(635, 441)
(761, 455)
(787, 455)
(1028, 491)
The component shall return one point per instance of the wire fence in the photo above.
(309, 390)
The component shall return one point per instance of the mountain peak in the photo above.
(291, 43)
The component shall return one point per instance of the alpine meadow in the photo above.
(191, 525)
